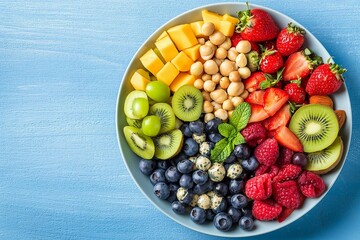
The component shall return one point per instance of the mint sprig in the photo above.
(231, 133)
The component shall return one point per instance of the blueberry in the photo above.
(186, 130)
(198, 215)
(215, 137)
(147, 166)
(178, 207)
(157, 176)
(190, 147)
(212, 126)
(163, 164)
(200, 177)
(188, 198)
(247, 211)
(185, 166)
(173, 189)
(222, 206)
(175, 160)
(246, 223)
(238, 201)
(196, 127)
(221, 189)
(250, 164)
(234, 213)
(186, 181)
(210, 214)
(243, 176)
(299, 159)
(204, 188)
(236, 186)
(231, 158)
(161, 190)
(223, 221)
(242, 151)
(172, 174)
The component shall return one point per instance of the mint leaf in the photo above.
(241, 115)
(225, 129)
(238, 139)
(222, 150)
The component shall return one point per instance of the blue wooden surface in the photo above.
(61, 174)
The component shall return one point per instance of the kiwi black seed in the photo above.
(316, 126)
(166, 115)
(134, 122)
(168, 144)
(187, 103)
(139, 143)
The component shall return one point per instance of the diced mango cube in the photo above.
(162, 35)
(196, 28)
(212, 17)
(157, 52)
(193, 52)
(182, 62)
(182, 36)
(181, 80)
(143, 73)
(151, 62)
(230, 18)
(168, 73)
(166, 48)
(138, 81)
(227, 28)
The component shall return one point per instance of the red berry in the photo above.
(287, 194)
(272, 170)
(254, 134)
(311, 184)
(288, 172)
(290, 39)
(235, 39)
(271, 61)
(266, 210)
(259, 187)
(285, 213)
(296, 93)
(267, 152)
(285, 156)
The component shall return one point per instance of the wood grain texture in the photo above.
(61, 174)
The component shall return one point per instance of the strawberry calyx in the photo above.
(244, 17)
(312, 59)
(336, 69)
(297, 81)
(270, 81)
(292, 28)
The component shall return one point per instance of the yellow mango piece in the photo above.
(162, 35)
(193, 53)
(196, 28)
(157, 52)
(138, 81)
(166, 48)
(212, 17)
(183, 36)
(181, 80)
(151, 62)
(143, 73)
(182, 62)
(227, 28)
(168, 73)
(231, 19)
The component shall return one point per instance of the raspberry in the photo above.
(311, 185)
(259, 187)
(266, 210)
(267, 152)
(287, 194)
(254, 134)
(288, 172)
(285, 156)
(271, 170)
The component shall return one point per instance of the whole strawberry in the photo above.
(256, 25)
(296, 93)
(271, 61)
(326, 79)
(290, 39)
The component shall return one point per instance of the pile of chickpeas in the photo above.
(220, 75)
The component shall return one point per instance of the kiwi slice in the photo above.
(316, 126)
(187, 103)
(327, 159)
(129, 102)
(139, 143)
(166, 115)
(168, 144)
(134, 122)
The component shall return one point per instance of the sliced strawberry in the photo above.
(274, 99)
(287, 138)
(281, 118)
(285, 213)
(252, 83)
(257, 113)
(256, 97)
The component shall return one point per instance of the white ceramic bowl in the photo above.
(341, 99)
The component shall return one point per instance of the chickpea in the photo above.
(235, 88)
(216, 105)
(234, 76)
(221, 113)
(219, 95)
(206, 77)
(217, 38)
(226, 44)
(227, 67)
(208, 107)
(210, 67)
(208, 117)
(228, 105)
(244, 72)
(224, 82)
(210, 44)
(216, 78)
(206, 96)
(218, 61)
(236, 101)
(221, 53)
(230, 113)
(232, 54)
(207, 28)
(196, 68)
(243, 46)
(199, 84)
(206, 52)
(201, 41)
(241, 60)
(209, 86)
(245, 94)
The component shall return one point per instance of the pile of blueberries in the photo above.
(180, 181)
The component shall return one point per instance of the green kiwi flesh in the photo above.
(168, 144)
(139, 143)
(134, 122)
(187, 103)
(324, 161)
(166, 115)
(316, 126)
(129, 102)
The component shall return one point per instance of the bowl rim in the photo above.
(156, 32)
